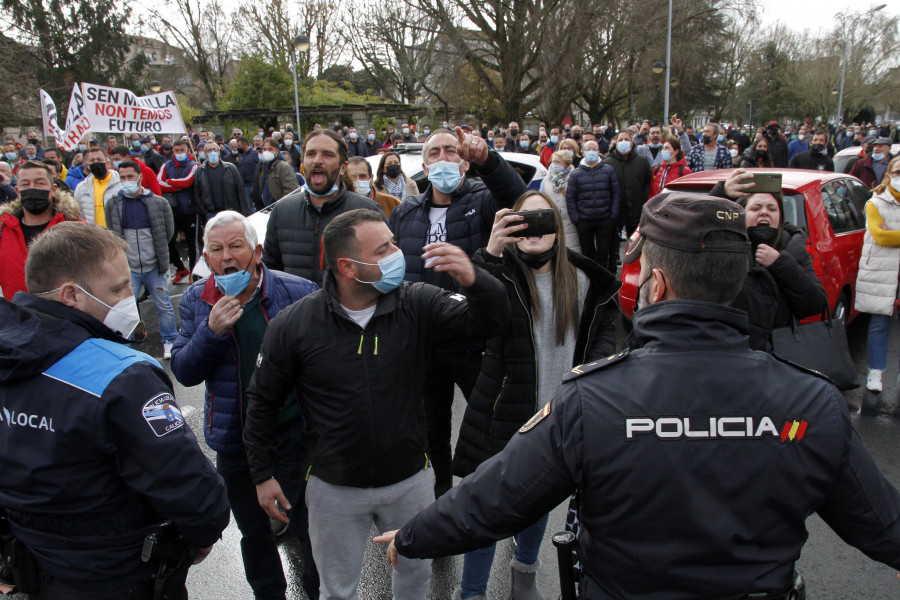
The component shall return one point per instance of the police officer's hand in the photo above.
(472, 149)
(451, 260)
(738, 181)
(202, 553)
(766, 255)
(270, 496)
(388, 538)
(224, 315)
(504, 225)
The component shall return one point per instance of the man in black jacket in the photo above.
(452, 209)
(355, 352)
(95, 449)
(294, 232)
(816, 157)
(699, 456)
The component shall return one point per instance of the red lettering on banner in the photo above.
(109, 110)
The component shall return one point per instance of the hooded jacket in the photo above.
(94, 448)
(201, 356)
(293, 241)
(505, 393)
(666, 172)
(13, 250)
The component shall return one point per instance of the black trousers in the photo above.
(599, 241)
(446, 370)
(191, 227)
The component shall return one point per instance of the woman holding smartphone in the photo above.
(563, 314)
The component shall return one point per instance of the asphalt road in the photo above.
(832, 570)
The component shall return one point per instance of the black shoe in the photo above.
(144, 296)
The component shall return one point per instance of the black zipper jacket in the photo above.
(361, 389)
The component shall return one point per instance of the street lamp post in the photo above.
(844, 63)
(659, 66)
(750, 111)
(300, 44)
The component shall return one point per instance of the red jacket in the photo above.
(148, 179)
(665, 173)
(13, 251)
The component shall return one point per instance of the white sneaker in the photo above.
(873, 381)
(167, 355)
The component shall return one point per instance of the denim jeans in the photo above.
(157, 286)
(879, 331)
(477, 564)
(248, 200)
(262, 562)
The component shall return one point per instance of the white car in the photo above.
(528, 166)
(843, 157)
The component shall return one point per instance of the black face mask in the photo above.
(392, 170)
(35, 201)
(98, 170)
(707, 139)
(33, 141)
(817, 148)
(762, 234)
(536, 261)
(513, 132)
(761, 153)
(773, 133)
(576, 136)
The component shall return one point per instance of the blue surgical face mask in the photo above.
(130, 188)
(872, 132)
(624, 147)
(11, 155)
(371, 137)
(82, 147)
(202, 155)
(116, 164)
(655, 145)
(233, 284)
(444, 175)
(591, 156)
(333, 190)
(523, 143)
(213, 157)
(136, 143)
(363, 186)
(182, 157)
(720, 138)
(554, 139)
(145, 148)
(393, 268)
(666, 155)
(876, 156)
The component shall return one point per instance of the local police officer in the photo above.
(94, 449)
(697, 460)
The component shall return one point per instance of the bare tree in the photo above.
(395, 45)
(504, 47)
(205, 32)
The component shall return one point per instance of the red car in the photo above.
(830, 207)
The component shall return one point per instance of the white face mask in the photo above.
(895, 183)
(733, 153)
(363, 186)
(288, 142)
(123, 317)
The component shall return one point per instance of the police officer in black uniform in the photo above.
(697, 460)
(94, 450)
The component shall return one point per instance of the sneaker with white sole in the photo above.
(167, 351)
(873, 381)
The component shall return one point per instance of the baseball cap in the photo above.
(93, 140)
(682, 221)
(145, 140)
(773, 124)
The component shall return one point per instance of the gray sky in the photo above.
(817, 14)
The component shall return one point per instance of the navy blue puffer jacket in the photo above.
(199, 355)
(593, 194)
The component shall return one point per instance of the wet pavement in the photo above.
(832, 569)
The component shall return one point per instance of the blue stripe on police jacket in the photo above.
(90, 367)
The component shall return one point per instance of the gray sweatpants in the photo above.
(340, 520)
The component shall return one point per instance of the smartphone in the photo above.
(765, 183)
(540, 222)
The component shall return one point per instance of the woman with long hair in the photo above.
(563, 312)
(876, 284)
(389, 178)
(757, 155)
(673, 166)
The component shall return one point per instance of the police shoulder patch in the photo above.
(594, 366)
(537, 418)
(162, 414)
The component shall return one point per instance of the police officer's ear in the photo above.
(659, 288)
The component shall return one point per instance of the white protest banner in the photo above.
(48, 113)
(114, 110)
(77, 123)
